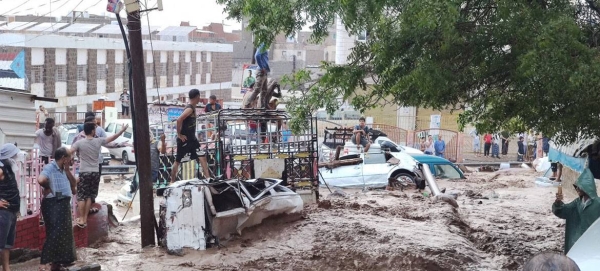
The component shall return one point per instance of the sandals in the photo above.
(80, 224)
(93, 211)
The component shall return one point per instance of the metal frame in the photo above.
(237, 145)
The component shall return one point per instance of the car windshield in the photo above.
(70, 138)
(446, 172)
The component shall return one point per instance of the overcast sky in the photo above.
(197, 12)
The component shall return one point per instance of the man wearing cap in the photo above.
(9, 201)
(581, 213)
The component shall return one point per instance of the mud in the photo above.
(502, 221)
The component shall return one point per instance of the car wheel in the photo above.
(124, 158)
(402, 180)
(112, 156)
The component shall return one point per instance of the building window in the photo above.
(37, 74)
(284, 54)
(119, 70)
(61, 73)
(188, 67)
(163, 69)
(299, 53)
(363, 35)
(176, 68)
(81, 72)
(102, 70)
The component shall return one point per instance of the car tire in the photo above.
(124, 158)
(405, 177)
(112, 156)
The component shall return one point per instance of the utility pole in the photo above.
(142, 129)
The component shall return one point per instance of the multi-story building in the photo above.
(80, 63)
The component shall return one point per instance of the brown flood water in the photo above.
(499, 225)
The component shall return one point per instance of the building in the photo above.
(80, 63)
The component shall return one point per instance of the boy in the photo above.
(581, 213)
(360, 135)
(187, 143)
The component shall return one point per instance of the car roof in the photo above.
(429, 159)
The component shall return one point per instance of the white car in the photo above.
(126, 153)
(67, 137)
(372, 169)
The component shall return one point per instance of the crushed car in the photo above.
(198, 213)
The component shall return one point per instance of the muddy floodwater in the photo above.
(502, 220)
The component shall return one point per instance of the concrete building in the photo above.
(80, 63)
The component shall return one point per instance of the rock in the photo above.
(90, 267)
(325, 204)
(480, 202)
(372, 201)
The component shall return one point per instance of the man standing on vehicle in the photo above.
(48, 139)
(581, 213)
(211, 107)
(187, 143)
(360, 135)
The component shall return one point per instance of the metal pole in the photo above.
(142, 130)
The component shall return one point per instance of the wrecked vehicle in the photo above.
(198, 213)
(367, 170)
(441, 168)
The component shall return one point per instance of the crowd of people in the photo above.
(496, 144)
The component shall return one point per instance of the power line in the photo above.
(16, 7)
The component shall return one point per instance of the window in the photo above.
(37, 74)
(163, 69)
(446, 172)
(81, 72)
(187, 68)
(284, 54)
(363, 35)
(299, 53)
(119, 70)
(374, 158)
(176, 68)
(111, 128)
(102, 70)
(61, 73)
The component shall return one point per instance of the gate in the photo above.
(452, 138)
(396, 134)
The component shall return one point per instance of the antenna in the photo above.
(160, 5)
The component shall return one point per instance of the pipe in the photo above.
(435, 191)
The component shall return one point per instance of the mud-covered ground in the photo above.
(503, 219)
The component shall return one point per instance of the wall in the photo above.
(18, 119)
(31, 235)
(449, 120)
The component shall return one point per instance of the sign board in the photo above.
(268, 168)
(435, 123)
(101, 104)
(249, 72)
(114, 6)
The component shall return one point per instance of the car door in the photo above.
(375, 169)
(343, 176)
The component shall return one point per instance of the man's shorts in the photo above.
(189, 146)
(87, 187)
(363, 140)
(554, 167)
(8, 225)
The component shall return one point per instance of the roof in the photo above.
(79, 28)
(429, 159)
(16, 26)
(47, 27)
(177, 31)
(113, 29)
(23, 92)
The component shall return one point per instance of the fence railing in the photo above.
(29, 188)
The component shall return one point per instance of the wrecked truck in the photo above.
(197, 213)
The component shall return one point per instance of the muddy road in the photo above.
(503, 220)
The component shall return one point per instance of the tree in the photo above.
(532, 62)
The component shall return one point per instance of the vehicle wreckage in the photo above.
(248, 175)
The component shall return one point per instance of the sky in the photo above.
(197, 12)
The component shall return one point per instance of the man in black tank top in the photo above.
(186, 133)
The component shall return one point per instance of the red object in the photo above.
(252, 124)
(487, 138)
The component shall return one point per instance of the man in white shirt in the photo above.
(48, 139)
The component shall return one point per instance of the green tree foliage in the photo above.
(517, 63)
